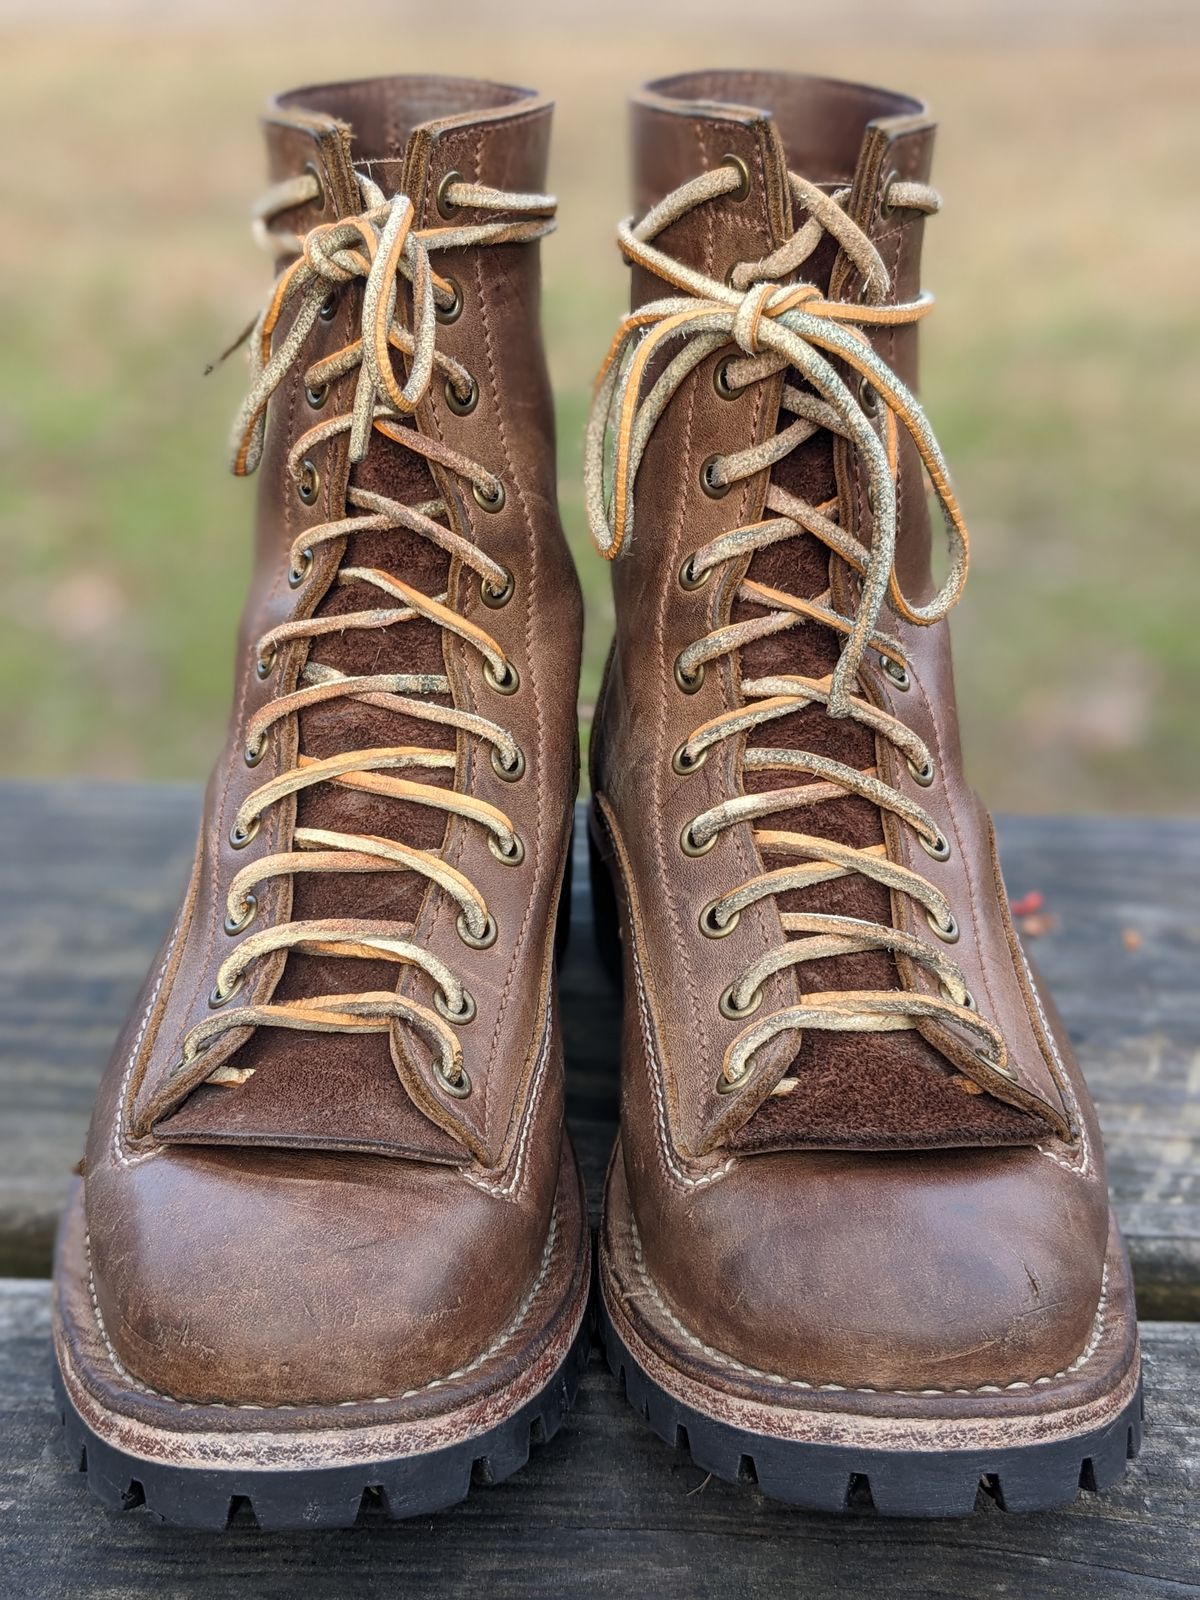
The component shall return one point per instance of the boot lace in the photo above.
(775, 327)
(380, 246)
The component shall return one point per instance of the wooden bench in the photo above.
(89, 875)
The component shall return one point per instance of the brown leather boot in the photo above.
(331, 1237)
(856, 1227)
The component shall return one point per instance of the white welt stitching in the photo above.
(379, 1400)
(1080, 1360)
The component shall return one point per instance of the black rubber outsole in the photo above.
(831, 1478)
(322, 1497)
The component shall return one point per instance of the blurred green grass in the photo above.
(1060, 369)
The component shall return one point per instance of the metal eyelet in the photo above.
(329, 306)
(683, 763)
(316, 394)
(711, 928)
(922, 775)
(967, 1002)
(735, 1013)
(508, 684)
(687, 843)
(308, 485)
(236, 925)
(511, 774)
(938, 848)
(510, 858)
(216, 999)
(732, 1085)
(458, 1018)
(319, 201)
(689, 682)
(494, 599)
(460, 1088)
(688, 578)
(897, 672)
(714, 491)
(452, 312)
(462, 405)
(240, 837)
(886, 211)
(868, 397)
(485, 940)
(446, 207)
(298, 573)
(947, 932)
(253, 754)
(489, 502)
(721, 383)
(742, 192)
(989, 1061)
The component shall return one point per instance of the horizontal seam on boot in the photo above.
(1080, 1360)
(325, 1405)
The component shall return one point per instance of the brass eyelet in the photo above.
(458, 1018)
(446, 207)
(253, 754)
(510, 858)
(462, 405)
(485, 940)
(319, 200)
(508, 684)
(460, 1088)
(316, 394)
(922, 775)
(989, 1061)
(711, 928)
(308, 485)
(683, 763)
(511, 774)
(967, 1002)
(687, 843)
(452, 312)
(240, 837)
(216, 999)
(938, 848)
(236, 925)
(489, 502)
(714, 491)
(732, 1085)
(298, 573)
(947, 932)
(688, 578)
(494, 599)
(688, 682)
(721, 383)
(265, 665)
(735, 1013)
(329, 306)
(868, 397)
(742, 192)
(896, 672)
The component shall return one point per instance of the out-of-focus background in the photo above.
(1061, 370)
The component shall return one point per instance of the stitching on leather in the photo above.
(1081, 1360)
(504, 1191)
(119, 1154)
(1084, 1165)
(473, 1365)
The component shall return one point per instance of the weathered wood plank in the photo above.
(89, 874)
(604, 1510)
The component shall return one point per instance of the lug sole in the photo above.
(321, 1496)
(835, 1478)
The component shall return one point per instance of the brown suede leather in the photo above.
(904, 1219)
(337, 1228)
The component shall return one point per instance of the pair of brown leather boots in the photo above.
(331, 1240)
